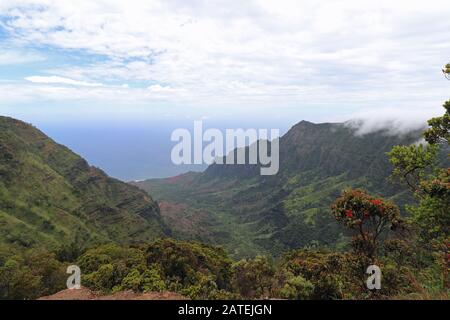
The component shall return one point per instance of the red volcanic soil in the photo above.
(174, 179)
(86, 294)
(186, 220)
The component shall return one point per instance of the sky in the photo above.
(66, 63)
(283, 59)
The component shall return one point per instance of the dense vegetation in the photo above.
(233, 206)
(49, 195)
(411, 250)
(201, 271)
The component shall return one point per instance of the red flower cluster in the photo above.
(349, 213)
(376, 202)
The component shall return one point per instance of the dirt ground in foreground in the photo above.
(86, 294)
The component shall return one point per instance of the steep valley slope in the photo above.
(249, 214)
(51, 197)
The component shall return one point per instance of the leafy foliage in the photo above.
(412, 163)
(439, 131)
(29, 274)
(300, 274)
(253, 277)
(369, 216)
(188, 262)
(297, 288)
(431, 215)
(446, 68)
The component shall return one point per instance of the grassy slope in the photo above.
(250, 214)
(50, 196)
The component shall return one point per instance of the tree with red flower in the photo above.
(368, 216)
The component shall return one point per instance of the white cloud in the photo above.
(392, 120)
(156, 88)
(61, 80)
(15, 57)
(279, 53)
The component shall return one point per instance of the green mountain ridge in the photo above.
(50, 197)
(249, 214)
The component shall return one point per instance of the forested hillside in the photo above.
(56, 211)
(232, 205)
(50, 197)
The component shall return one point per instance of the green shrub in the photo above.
(187, 263)
(253, 278)
(30, 274)
(147, 281)
(297, 288)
